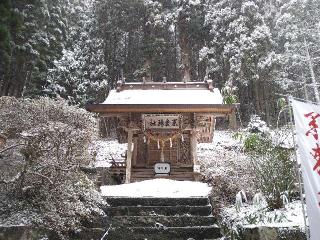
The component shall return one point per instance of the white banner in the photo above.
(307, 122)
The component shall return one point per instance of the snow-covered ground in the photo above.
(224, 161)
(106, 150)
(224, 149)
(163, 188)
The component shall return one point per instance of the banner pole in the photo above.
(298, 169)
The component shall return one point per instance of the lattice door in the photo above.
(170, 153)
(142, 152)
(184, 153)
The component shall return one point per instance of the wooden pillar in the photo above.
(129, 156)
(193, 147)
(135, 151)
(193, 154)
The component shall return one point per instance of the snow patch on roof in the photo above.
(176, 96)
(163, 188)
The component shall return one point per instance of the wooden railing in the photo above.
(118, 163)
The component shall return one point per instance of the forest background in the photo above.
(78, 49)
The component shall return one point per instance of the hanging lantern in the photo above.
(158, 144)
(182, 138)
(144, 139)
(170, 143)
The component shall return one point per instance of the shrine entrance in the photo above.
(162, 124)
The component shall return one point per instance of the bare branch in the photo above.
(66, 169)
(41, 175)
(14, 179)
(10, 147)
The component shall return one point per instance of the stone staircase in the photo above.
(161, 219)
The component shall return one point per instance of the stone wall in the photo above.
(33, 233)
(271, 233)
(26, 233)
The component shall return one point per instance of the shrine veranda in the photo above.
(162, 122)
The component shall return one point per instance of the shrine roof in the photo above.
(163, 97)
(179, 96)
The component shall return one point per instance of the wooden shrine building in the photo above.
(162, 122)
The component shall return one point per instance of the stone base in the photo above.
(26, 233)
(271, 233)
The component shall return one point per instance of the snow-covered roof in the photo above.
(163, 97)
(157, 96)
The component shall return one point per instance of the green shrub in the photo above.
(230, 99)
(272, 166)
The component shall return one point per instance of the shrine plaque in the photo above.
(162, 168)
(161, 121)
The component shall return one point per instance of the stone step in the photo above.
(175, 176)
(127, 201)
(167, 221)
(176, 173)
(170, 233)
(158, 210)
(172, 177)
(173, 169)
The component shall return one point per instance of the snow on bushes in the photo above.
(255, 160)
(226, 167)
(47, 143)
(250, 216)
(273, 167)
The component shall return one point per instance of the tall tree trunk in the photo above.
(185, 46)
(185, 56)
(305, 87)
(256, 96)
(147, 67)
(266, 99)
(312, 73)
(147, 39)
(176, 74)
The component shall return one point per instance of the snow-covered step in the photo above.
(153, 201)
(157, 188)
(169, 233)
(158, 210)
(166, 221)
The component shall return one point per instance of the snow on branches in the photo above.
(47, 143)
